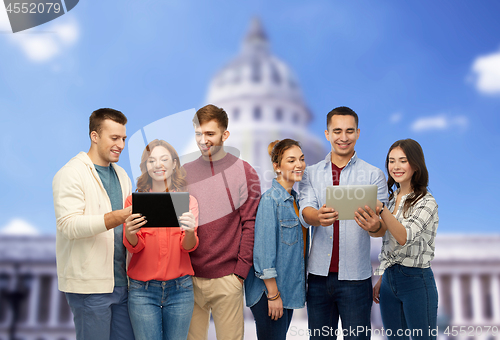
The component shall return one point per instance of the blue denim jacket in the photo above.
(278, 250)
(354, 242)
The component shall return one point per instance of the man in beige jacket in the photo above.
(89, 192)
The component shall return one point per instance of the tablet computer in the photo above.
(162, 209)
(346, 199)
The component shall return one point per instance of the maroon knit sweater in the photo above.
(228, 194)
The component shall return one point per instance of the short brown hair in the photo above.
(341, 111)
(99, 116)
(211, 112)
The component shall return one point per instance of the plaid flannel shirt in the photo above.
(421, 227)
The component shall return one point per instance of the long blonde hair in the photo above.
(178, 178)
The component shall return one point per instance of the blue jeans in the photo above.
(161, 309)
(408, 302)
(328, 298)
(101, 316)
(266, 327)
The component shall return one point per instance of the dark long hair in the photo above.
(419, 180)
(178, 178)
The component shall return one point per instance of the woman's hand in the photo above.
(367, 219)
(187, 222)
(275, 308)
(376, 291)
(133, 224)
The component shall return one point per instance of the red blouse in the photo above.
(158, 254)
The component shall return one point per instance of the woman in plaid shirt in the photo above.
(407, 291)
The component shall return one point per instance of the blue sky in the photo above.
(428, 70)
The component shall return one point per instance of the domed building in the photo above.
(264, 102)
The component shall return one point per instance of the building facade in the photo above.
(467, 273)
(28, 284)
(466, 269)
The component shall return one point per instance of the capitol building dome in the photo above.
(263, 100)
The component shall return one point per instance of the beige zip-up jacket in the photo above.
(84, 247)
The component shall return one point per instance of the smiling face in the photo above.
(160, 166)
(109, 143)
(342, 134)
(399, 167)
(210, 139)
(291, 168)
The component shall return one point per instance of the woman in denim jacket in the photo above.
(276, 282)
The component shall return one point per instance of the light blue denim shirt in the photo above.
(354, 242)
(278, 250)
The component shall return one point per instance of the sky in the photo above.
(427, 70)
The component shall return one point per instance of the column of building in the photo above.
(477, 299)
(456, 295)
(34, 301)
(495, 298)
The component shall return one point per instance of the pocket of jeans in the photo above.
(289, 231)
(186, 282)
(411, 271)
(134, 285)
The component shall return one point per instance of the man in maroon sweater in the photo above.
(228, 194)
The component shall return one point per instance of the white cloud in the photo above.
(486, 71)
(38, 47)
(45, 43)
(396, 117)
(67, 31)
(440, 122)
(19, 227)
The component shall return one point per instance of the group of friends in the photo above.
(281, 250)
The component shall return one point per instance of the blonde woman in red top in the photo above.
(160, 299)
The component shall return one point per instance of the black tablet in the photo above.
(162, 209)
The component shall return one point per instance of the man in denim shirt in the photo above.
(339, 267)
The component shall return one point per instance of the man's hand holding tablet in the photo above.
(327, 216)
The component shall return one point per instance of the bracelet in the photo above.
(272, 298)
(240, 277)
(378, 229)
(382, 209)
